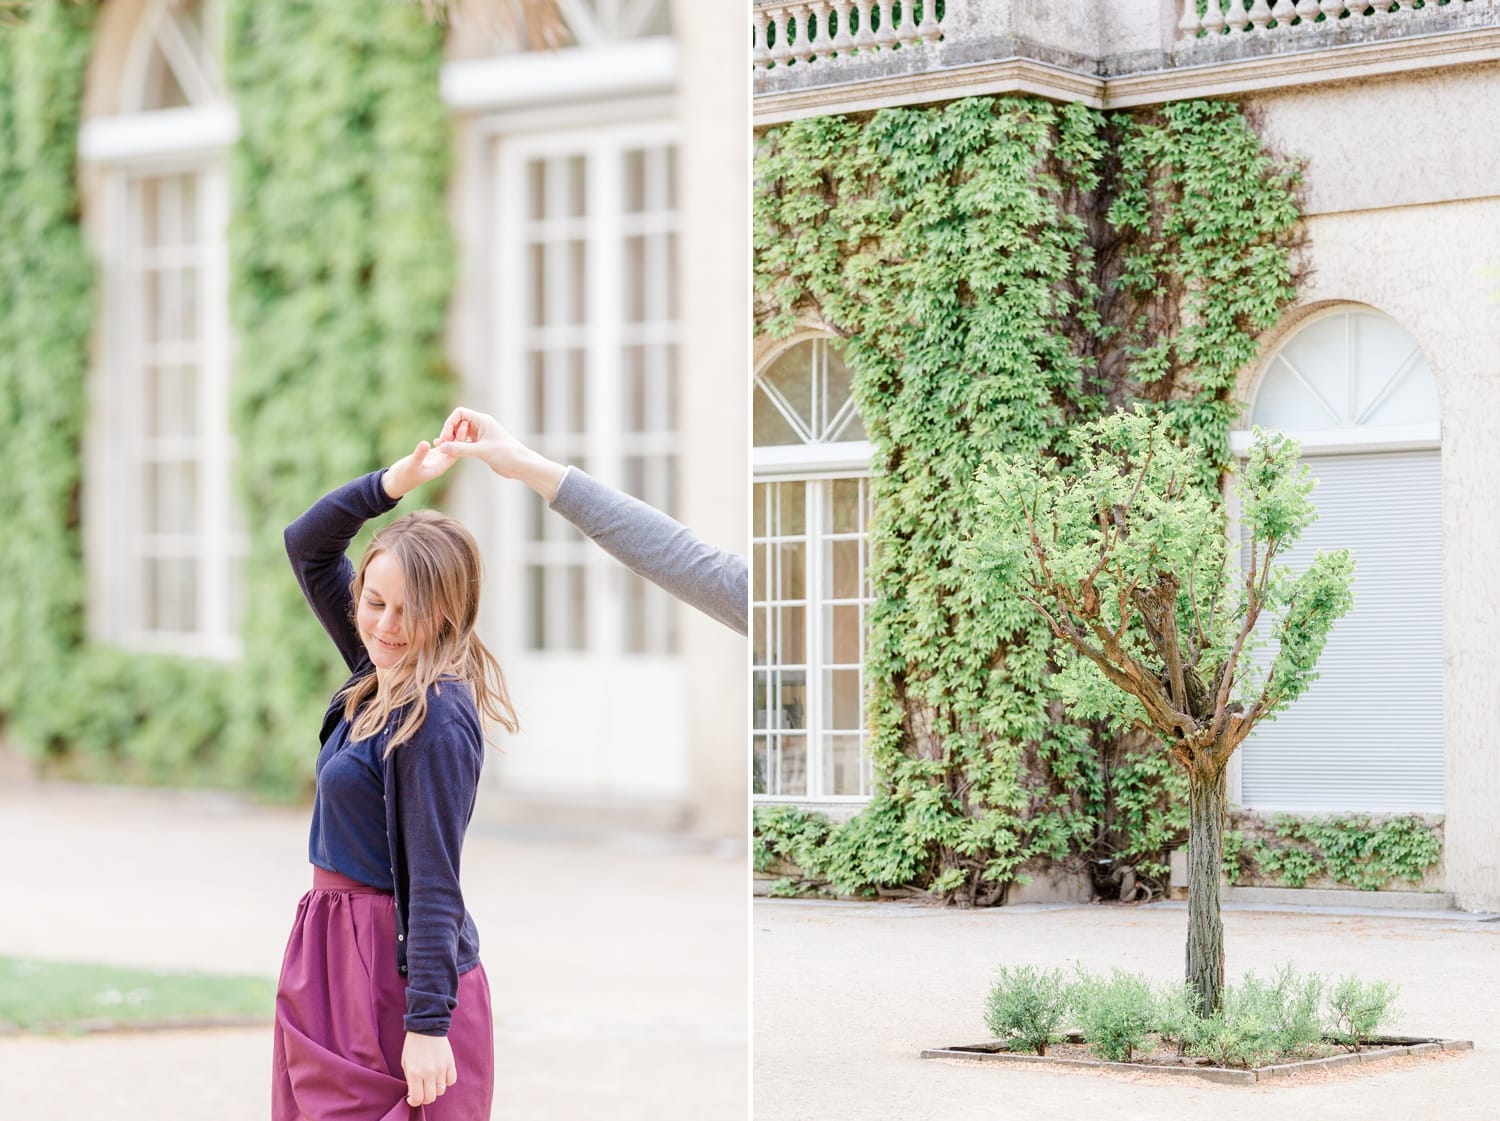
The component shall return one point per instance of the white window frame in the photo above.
(608, 444)
(1351, 439)
(813, 463)
(119, 150)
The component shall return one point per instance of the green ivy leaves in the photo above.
(341, 268)
(1002, 270)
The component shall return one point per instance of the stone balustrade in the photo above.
(806, 32)
(1284, 15)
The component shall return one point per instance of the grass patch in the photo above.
(59, 996)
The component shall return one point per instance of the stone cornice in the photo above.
(1214, 79)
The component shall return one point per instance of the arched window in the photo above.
(165, 545)
(810, 580)
(1355, 389)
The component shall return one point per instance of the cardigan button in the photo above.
(400, 938)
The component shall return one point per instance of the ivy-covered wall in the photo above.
(1002, 270)
(341, 267)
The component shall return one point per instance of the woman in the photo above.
(383, 1004)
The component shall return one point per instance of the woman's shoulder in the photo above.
(451, 701)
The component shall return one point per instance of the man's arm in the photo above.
(641, 537)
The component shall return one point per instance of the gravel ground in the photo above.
(848, 994)
(617, 964)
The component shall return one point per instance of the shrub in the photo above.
(1356, 1010)
(1260, 1020)
(1116, 1015)
(1177, 1019)
(1026, 1007)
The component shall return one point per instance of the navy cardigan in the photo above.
(429, 782)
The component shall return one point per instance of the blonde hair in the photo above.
(440, 563)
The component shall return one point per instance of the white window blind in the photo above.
(1368, 735)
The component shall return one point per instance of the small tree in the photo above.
(1124, 554)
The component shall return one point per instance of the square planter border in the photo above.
(1390, 1046)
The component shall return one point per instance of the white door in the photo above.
(584, 370)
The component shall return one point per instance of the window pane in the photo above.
(844, 766)
(536, 189)
(760, 764)
(536, 588)
(792, 771)
(845, 557)
(760, 699)
(171, 594)
(790, 624)
(848, 500)
(171, 401)
(845, 635)
(791, 377)
(577, 187)
(171, 497)
(791, 509)
(536, 272)
(791, 563)
(841, 701)
(769, 425)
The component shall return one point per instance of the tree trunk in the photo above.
(1205, 945)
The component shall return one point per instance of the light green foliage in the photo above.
(341, 265)
(1176, 1008)
(1290, 1015)
(1002, 270)
(1351, 849)
(1027, 1007)
(1124, 555)
(1259, 1021)
(1116, 1014)
(1358, 1009)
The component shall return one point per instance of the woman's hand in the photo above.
(424, 464)
(427, 1062)
(472, 434)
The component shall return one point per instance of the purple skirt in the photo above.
(339, 1008)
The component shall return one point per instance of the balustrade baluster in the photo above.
(820, 40)
(843, 42)
(1190, 21)
(1260, 15)
(1237, 18)
(885, 34)
(761, 54)
(781, 53)
(1332, 9)
(864, 38)
(1283, 11)
(802, 49)
(1307, 9)
(928, 28)
(1213, 18)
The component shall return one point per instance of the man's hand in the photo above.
(471, 434)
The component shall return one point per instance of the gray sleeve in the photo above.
(655, 546)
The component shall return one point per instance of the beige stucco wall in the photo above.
(1394, 141)
(1405, 202)
(713, 111)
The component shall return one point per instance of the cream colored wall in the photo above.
(1391, 141)
(714, 113)
(1405, 201)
